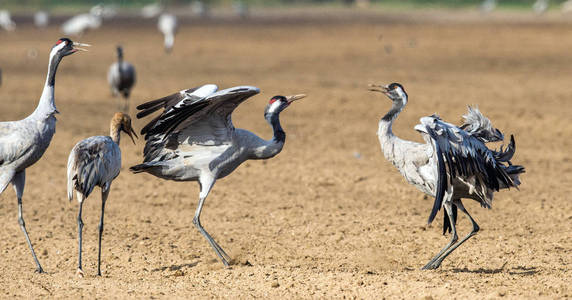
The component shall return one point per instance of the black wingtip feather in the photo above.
(441, 184)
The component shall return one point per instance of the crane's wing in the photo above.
(14, 142)
(201, 114)
(460, 154)
(93, 161)
(479, 126)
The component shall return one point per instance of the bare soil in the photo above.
(328, 217)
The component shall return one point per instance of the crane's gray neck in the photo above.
(384, 131)
(273, 146)
(47, 105)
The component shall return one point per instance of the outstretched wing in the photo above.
(200, 115)
(460, 154)
(93, 161)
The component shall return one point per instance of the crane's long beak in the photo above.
(76, 46)
(131, 133)
(293, 98)
(378, 88)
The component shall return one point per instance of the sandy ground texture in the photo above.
(328, 217)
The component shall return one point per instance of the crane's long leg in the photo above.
(476, 228)
(125, 100)
(19, 181)
(104, 194)
(206, 186)
(449, 209)
(80, 199)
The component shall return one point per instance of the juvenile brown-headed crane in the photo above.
(96, 161)
(454, 163)
(193, 139)
(23, 142)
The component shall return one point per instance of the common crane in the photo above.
(454, 163)
(6, 21)
(96, 161)
(194, 139)
(121, 78)
(167, 24)
(23, 142)
(487, 6)
(540, 6)
(78, 25)
(41, 19)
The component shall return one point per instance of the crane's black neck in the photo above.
(396, 108)
(274, 120)
(119, 55)
(53, 68)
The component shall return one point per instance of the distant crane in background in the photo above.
(23, 142)
(104, 11)
(194, 139)
(121, 78)
(6, 22)
(487, 6)
(540, 6)
(454, 163)
(41, 19)
(240, 8)
(200, 8)
(79, 24)
(96, 161)
(168, 26)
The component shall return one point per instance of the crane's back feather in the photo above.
(479, 126)
(463, 155)
(95, 161)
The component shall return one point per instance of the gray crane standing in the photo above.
(96, 161)
(194, 139)
(121, 78)
(23, 142)
(454, 163)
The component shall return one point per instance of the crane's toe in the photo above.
(79, 273)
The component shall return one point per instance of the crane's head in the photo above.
(122, 122)
(278, 103)
(65, 47)
(394, 91)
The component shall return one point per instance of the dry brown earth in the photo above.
(316, 221)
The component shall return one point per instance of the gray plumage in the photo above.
(454, 163)
(96, 161)
(193, 139)
(23, 142)
(121, 78)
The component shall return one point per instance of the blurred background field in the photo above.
(328, 217)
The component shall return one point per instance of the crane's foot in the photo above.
(432, 265)
(39, 270)
(79, 273)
